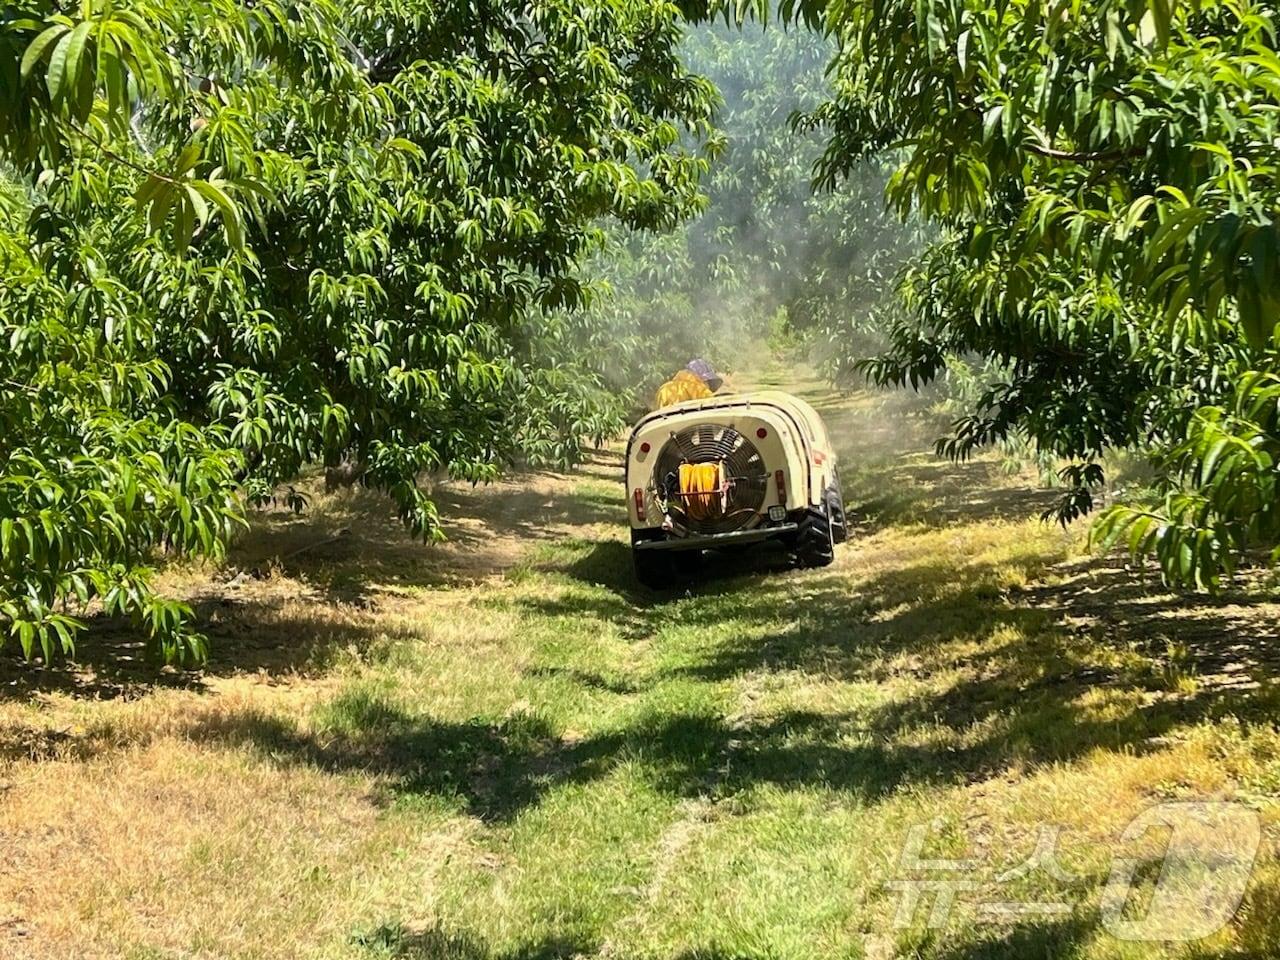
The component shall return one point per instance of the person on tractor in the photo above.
(696, 381)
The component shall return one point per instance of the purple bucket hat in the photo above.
(706, 373)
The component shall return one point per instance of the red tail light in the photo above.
(781, 479)
(639, 498)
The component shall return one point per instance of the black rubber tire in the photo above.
(814, 544)
(835, 509)
(653, 568)
(685, 564)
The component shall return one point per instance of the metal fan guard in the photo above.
(709, 443)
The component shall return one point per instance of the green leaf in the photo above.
(76, 41)
(231, 218)
(56, 77)
(1162, 18)
(39, 47)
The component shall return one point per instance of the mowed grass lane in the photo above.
(505, 749)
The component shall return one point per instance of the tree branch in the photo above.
(117, 158)
(1084, 156)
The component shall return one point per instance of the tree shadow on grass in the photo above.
(608, 563)
(491, 769)
(1058, 939)
(1228, 640)
(494, 769)
(275, 635)
(111, 661)
(1023, 695)
(633, 610)
(392, 941)
(937, 492)
(301, 586)
(356, 546)
(1024, 692)
(586, 679)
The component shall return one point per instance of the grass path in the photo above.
(502, 749)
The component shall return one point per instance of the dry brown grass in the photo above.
(195, 848)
